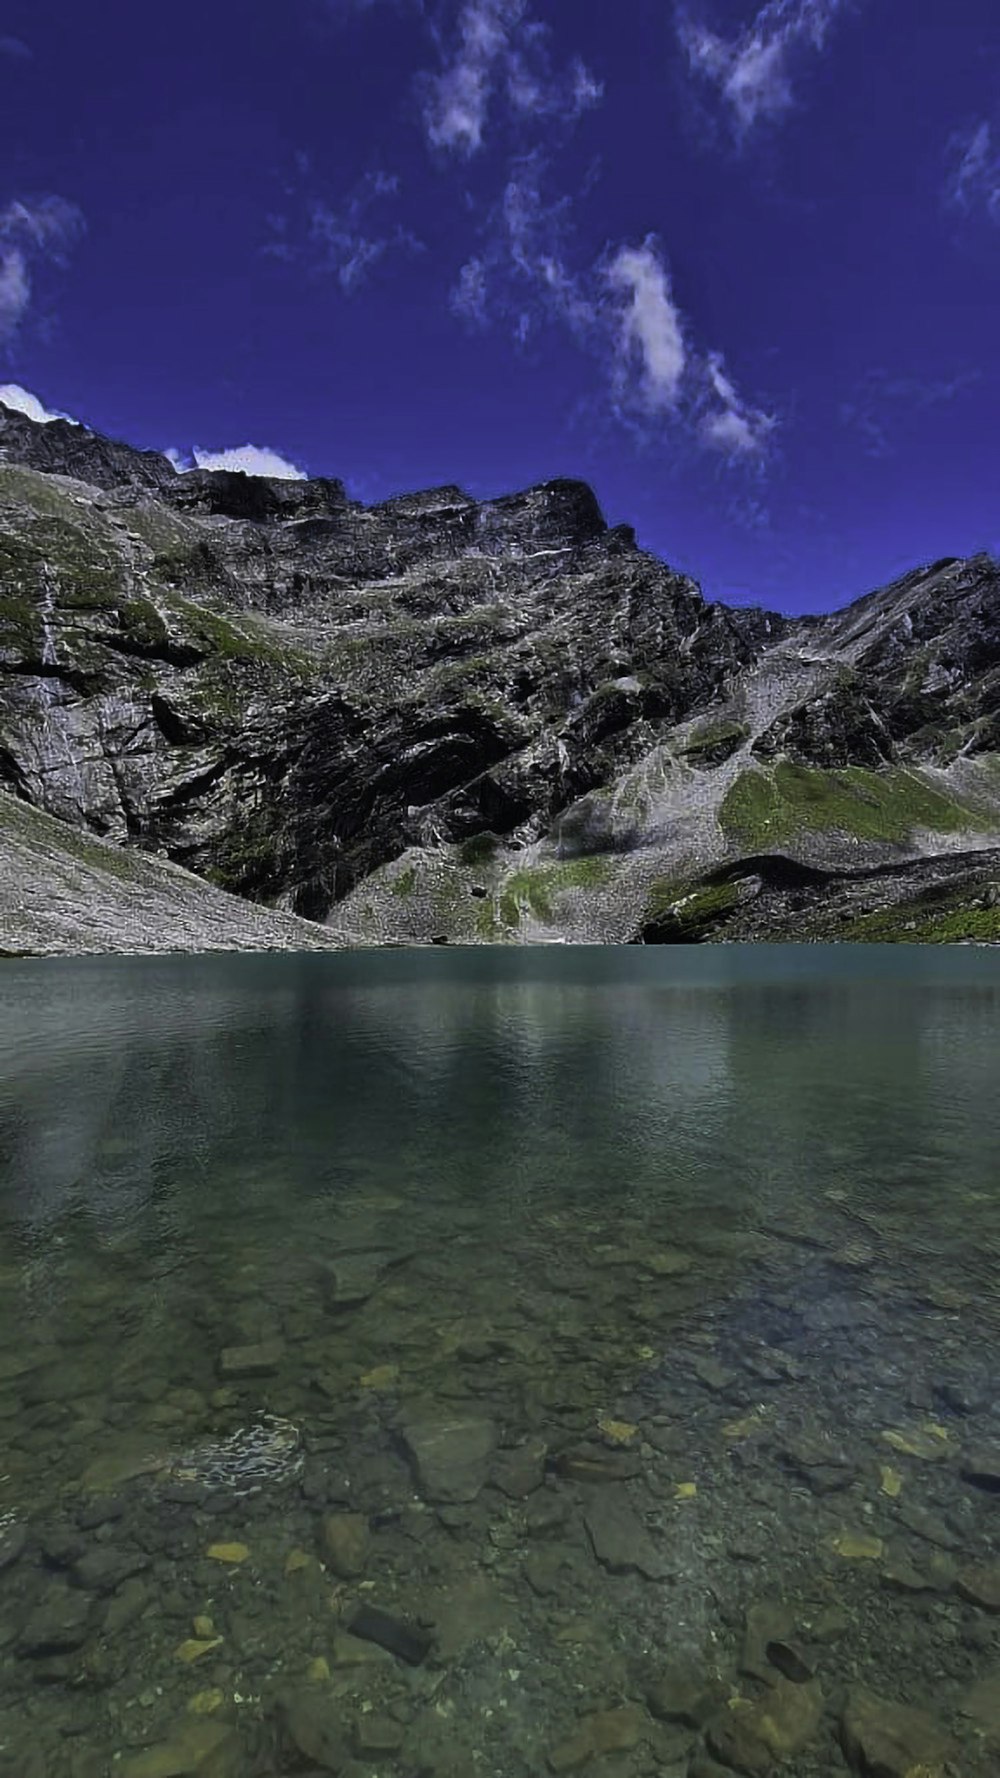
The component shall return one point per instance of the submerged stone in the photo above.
(753, 1735)
(346, 1544)
(314, 1724)
(450, 1454)
(410, 1642)
(58, 1624)
(619, 1539)
(261, 1360)
(892, 1740)
(197, 1749)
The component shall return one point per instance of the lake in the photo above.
(448, 1364)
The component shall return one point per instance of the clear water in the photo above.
(585, 1287)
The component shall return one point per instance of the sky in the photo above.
(737, 267)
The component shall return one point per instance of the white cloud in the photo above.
(656, 371)
(650, 333)
(621, 310)
(752, 69)
(499, 47)
(975, 178)
(737, 430)
(24, 402)
(15, 289)
(44, 228)
(458, 98)
(248, 459)
(730, 424)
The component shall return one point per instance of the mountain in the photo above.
(498, 720)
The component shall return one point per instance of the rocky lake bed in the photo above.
(449, 1511)
(376, 1401)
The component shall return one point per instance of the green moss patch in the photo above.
(766, 808)
(479, 848)
(714, 741)
(533, 890)
(688, 908)
(31, 826)
(935, 919)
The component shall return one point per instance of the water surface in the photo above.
(557, 1305)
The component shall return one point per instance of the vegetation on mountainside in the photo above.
(769, 806)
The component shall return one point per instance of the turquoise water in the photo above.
(554, 1305)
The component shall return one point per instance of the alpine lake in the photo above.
(495, 1363)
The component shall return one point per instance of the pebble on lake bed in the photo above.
(194, 1647)
(227, 1552)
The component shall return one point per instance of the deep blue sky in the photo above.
(739, 268)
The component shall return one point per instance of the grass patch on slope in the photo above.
(57, 839)
(670, 903)
(943, 920)
(766, 808)
(533, 889)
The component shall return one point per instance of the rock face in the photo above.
(485, 721)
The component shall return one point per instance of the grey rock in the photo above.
(103, 1570)
(619, 1539)
(450, 1453)
(314, 1724)
(685, 1693)
(260, 1360)
(521, 1471)
(227, 686)
(57, 1625)
(346, 1544)
(891, 1739)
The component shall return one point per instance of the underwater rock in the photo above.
(411, 1643)
(450, 1453)
(883, 1739)
(346, 1544)
(261, 1360)
(619, 1539)
(58, 1624)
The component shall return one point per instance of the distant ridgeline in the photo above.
(480, 721)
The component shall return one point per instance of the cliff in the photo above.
(481, 720)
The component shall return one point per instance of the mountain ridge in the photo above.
(482, 721)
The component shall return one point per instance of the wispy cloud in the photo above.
(621, 310)
(880, 402)
(749, 514)
(499, 51)
(650, 351)
(469, 296)
(520, 276)
(15, 48)
(974, 178)
(753, 70)
(728, 422)
(31, 230)
(24, 402)
(343, 241)
(248, 459)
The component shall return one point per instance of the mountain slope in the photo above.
(486, 721)
(64, 892)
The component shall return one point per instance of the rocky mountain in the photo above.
(499, 720)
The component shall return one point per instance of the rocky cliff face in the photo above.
(480, 720)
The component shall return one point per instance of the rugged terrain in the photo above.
(437, 718)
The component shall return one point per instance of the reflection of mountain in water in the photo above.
(155, 1097)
